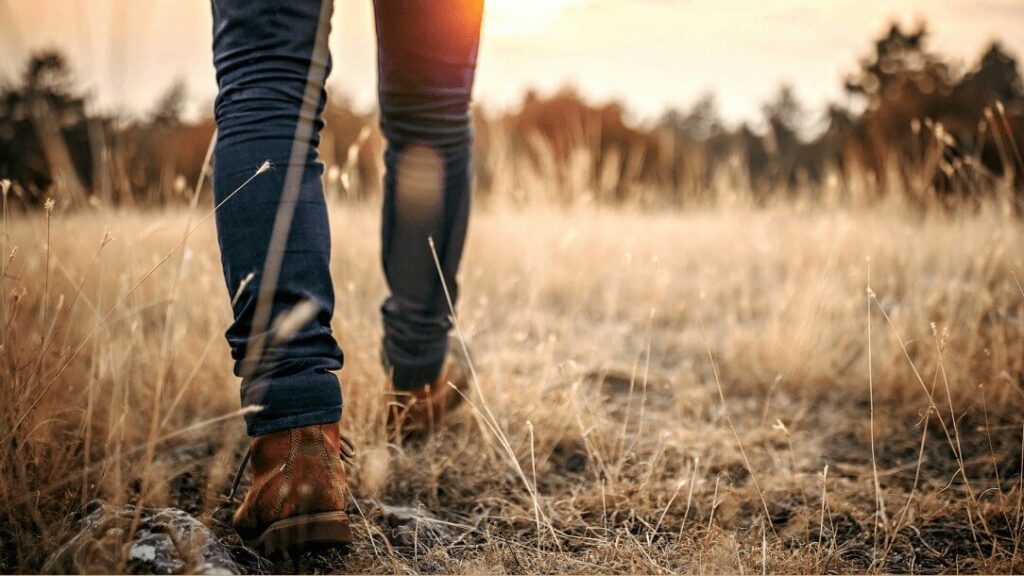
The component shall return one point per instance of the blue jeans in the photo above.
(271, 59)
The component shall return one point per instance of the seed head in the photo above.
(289, 324)
(241, 286)
(780, 427)
(48, 206)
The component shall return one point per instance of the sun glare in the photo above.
(524, 17)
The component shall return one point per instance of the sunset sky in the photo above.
(651, 54)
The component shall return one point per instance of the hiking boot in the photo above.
(424, 410)
(299, 491)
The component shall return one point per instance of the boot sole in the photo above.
(300, 533)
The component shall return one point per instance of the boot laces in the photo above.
(346, 452)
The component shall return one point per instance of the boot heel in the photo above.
(325, 529)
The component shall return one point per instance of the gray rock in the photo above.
(167, 541)
(408, 526)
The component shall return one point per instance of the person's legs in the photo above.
(271, 60)
(427, 53)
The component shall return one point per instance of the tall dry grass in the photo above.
(802, 387)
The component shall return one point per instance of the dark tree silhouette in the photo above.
(170, 106)
(911, 122)
(43, 128)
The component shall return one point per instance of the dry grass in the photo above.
(606, 342)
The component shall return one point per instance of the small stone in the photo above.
(167, 541)
(408, 526)
(154, 554)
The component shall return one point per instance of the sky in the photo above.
(649, 54)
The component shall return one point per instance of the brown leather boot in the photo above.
(423, 410)
(299, 490)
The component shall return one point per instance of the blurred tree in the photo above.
(551, 132)
(785, 115)
(995, 78)
(170, 106)
(698, 123)
(47, 73)
(43, 128)
(912, 122)
(900, 69)
(920, 125)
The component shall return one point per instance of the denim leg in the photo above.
(271, 60)
(427, 52)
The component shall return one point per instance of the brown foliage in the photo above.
(916, 125)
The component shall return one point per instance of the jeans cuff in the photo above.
(415, 376)
(255, 426)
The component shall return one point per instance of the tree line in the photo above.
(912, 123)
